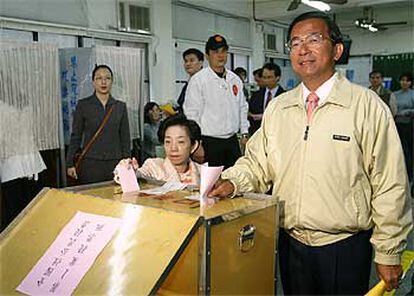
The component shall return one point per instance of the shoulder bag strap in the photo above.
(98, 132)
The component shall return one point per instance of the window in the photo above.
(134, 18)
(270, 42)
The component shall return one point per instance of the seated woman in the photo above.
(152, 118)
(181, 137)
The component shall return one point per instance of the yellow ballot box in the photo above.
(165, 244)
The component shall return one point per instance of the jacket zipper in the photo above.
(305, 137)
(304, 158)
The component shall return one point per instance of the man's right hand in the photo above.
(222, 189)
(390, 274)
(72, 172)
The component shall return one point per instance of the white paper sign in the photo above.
(70, 256)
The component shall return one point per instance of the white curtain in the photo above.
(127, 64)
(30, 99)
(128, 67)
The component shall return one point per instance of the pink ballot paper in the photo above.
(208, 176)
(70, 256)
(128, 179)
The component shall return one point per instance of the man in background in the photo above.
(376, 79)
(258, 77)
(193, 62)
(242, 73)
(261, 98)
(215, 100)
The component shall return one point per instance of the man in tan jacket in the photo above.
(331, 151)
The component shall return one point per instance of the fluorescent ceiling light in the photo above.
(322, 6)
(363, 24)
(372, 28)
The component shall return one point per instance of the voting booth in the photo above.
(165, 244)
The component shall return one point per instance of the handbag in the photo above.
(80, 154)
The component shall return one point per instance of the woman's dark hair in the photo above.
(273, 67)
(408, 76)
(97, 67)
(334, 32)
(148, 107)
(240, 71)
(258, 72)
(193, 129)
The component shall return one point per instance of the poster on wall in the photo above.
(75, 82)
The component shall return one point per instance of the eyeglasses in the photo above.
(311, 40)
(100, 79)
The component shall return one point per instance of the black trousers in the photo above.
(405, 131)
(221, 151)
(341, 268)
(96, 170)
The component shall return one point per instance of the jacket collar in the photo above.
(110, 102)
(339, 95)
(380, 90)
(213, 73)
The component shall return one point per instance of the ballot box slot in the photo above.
(84, 187)
(224, 218)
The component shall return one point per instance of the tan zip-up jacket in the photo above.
(343, 174)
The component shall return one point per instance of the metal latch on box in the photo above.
(246, 237)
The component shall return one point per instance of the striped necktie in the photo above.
(312, 103)
(268, 98)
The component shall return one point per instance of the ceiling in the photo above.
(276, 10)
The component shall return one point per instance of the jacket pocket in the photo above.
(362, 199)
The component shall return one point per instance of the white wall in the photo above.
(73, 12)
(393, 40)
(257, 59)
(102, 14)
(193, 24)
(357, 70)
(162, 58)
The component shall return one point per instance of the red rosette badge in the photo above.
(235, 90)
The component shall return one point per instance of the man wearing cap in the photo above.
(215, 100)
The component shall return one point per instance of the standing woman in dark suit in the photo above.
(112, 144)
